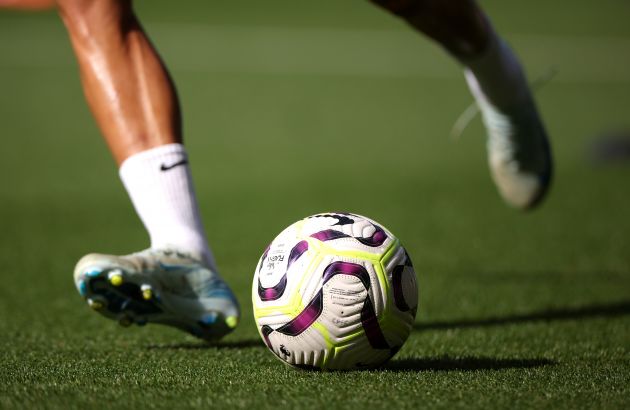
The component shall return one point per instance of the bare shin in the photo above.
(125, 82)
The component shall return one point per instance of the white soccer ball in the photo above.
(335, 291)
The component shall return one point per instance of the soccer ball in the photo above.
(335, 291)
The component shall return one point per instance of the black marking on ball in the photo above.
(341, 219)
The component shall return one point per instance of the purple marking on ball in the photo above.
(347, 268)
(297, 251)
(371, 327)
(305, 319)
(328, 235)
(377, 239)
(274, 292)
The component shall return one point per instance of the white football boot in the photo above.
(519, 154)
(158, 286)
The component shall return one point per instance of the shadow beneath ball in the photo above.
(237, 344)
(446, 363)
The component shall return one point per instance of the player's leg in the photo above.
(126, 85)
(135, 105)
(518, 149)
(27, 4)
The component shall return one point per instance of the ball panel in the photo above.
(344, 296)
(309, 348)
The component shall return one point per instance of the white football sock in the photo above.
(496, 77)
(160, 186)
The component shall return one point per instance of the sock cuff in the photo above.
(167, 154)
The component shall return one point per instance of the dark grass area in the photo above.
(294, 108)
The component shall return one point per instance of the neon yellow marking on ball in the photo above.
(352, 336)
(380, 268)
(286, 310)
(324, 333)
(382, 277)
(390, 251)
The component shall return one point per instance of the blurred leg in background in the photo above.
(518, 149)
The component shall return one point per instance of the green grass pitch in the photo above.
(293, 108)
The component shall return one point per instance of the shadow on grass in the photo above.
(237, 344)
(463, 364)
(549, 315)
